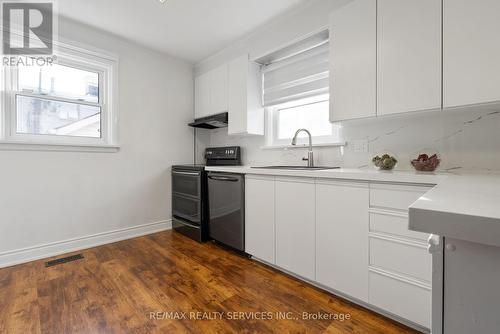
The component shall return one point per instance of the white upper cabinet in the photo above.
(409, 55)
(219, 89)
(353, 45)
(246, 113)
(396, 56)
(295, 225)
(471, 52)
(236, 88)
(341, 236)
(211, 91)
(202, 95)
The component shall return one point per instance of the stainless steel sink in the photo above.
(297, 167)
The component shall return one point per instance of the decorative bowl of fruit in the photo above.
(426, 163)
(385, 162)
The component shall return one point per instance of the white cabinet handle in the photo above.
(434, 244)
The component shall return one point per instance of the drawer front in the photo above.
(186, 183)
(398, 197)
(395, 225)
(187, 208)
(405, 259)
(400, 298)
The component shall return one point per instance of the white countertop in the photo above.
(341, 173)
(464, 206)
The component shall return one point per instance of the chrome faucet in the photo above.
(310, 156)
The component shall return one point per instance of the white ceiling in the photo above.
(189, 29)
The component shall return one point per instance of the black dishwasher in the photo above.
(226, 209)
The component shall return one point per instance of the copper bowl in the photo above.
(424, 163)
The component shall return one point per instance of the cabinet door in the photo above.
(342, 237)
(218, 90)
(471, 70)
(295, 225)
(246, 114)
(408, 55)
(237, 99)
(202, 95)
(471, 293)
(353, 60)
(259, 217)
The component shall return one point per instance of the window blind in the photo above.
(300, 71)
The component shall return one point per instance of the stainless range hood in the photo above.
(211, 122)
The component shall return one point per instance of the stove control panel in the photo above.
(230, 156)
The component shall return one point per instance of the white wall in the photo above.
(281, 32)
(465, 139)
(277, 34)
(47, 197)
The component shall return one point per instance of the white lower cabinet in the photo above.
(384, 222)
(400, 297)
(259, 217)
(341, 237)
(401, 257)
(295, 225)
(348, 236)
(471, 293)
(400, 267)
(395, 197)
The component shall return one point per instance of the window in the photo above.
(295, 92)
(69, 102)
(57, 100)
(310, 113)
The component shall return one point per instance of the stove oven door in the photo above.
(186, 183)
(186, 195)
(187, 208)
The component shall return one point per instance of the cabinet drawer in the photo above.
(392, 196)
(400, 298)
(402, 258)
(381, 222)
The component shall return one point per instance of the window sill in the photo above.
(280, 147)
(6, 145)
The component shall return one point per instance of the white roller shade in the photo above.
(299, 75)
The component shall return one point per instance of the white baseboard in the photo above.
(18, 256)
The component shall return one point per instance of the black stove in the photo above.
(190, 191)
(190, 167)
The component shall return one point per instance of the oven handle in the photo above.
(223, 178)
(185, 173)
(184, 222)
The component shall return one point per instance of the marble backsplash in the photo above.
(466, 139)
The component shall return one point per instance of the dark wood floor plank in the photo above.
(21, 314)
(126, 287)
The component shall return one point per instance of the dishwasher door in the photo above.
(226, 197)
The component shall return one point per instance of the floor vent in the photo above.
(63, 260)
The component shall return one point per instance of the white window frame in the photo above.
(74, 55)
(272, 121)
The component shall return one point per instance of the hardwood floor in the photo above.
(130, 286)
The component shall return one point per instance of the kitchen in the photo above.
(330, 167)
